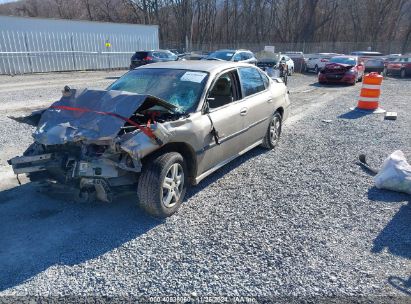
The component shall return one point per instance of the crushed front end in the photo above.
(93, 141)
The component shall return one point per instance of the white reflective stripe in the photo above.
(371, 86)
(368, 99)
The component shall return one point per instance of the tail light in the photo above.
(147, 58)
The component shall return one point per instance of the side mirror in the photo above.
(206, 108)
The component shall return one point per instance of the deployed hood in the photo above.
(91, 115)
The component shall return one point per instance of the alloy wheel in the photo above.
(275, 129)
(172, 186)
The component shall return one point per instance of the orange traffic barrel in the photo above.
(370, 92)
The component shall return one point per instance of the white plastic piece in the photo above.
(395, 174)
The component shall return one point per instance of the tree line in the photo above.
(202, 23)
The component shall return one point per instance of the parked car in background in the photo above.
(271, 64)
(318, 61)
(179, 53)
(373, 61)
(196, 55)
(342, 69)
(289, 62)
(233, 55)
(389, 58)
(400, 66)
(298, 59)
(145, 57)
(156, 130)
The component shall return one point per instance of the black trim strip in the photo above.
(231, 136)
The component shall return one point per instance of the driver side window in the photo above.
(224, 91)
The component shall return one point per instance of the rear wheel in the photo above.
(162, 184)
(273, 134)
(402, 73)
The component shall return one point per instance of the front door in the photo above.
(225, 112)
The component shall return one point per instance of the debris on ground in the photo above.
(391, 116)
(395, 174)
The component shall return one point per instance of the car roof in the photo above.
(232, 50)
(365, 52)
(195, 65)
(345, 56)
(159, 50)
(326, 54)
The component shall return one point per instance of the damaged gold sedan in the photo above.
(157, 129)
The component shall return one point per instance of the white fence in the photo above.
(31, 52)
(32, 45)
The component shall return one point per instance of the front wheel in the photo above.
(162, 184)
(272, 137)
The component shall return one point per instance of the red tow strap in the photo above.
(145, 130)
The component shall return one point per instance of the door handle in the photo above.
(244, 111)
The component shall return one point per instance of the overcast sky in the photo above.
(5, 1)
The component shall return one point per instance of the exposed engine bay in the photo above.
(94, 140)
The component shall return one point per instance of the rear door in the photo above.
(257, 104)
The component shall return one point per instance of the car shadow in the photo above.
(396, 235)
(328, 85)
(113, 77)
(39, 230)
(224, 170)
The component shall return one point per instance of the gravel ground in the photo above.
(303, 220)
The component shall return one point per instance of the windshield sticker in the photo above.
(193, 76)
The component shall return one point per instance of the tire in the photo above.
(156, 199)
(316, 69)
(402, 73)
(273, 134)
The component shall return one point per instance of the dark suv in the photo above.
(145, 57)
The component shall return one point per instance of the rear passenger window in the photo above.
(251, 81)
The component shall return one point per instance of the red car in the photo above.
(342, 69)
(399, 66)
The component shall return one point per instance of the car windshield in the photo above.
(343, 60)
(223, 55)
(182, 88)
